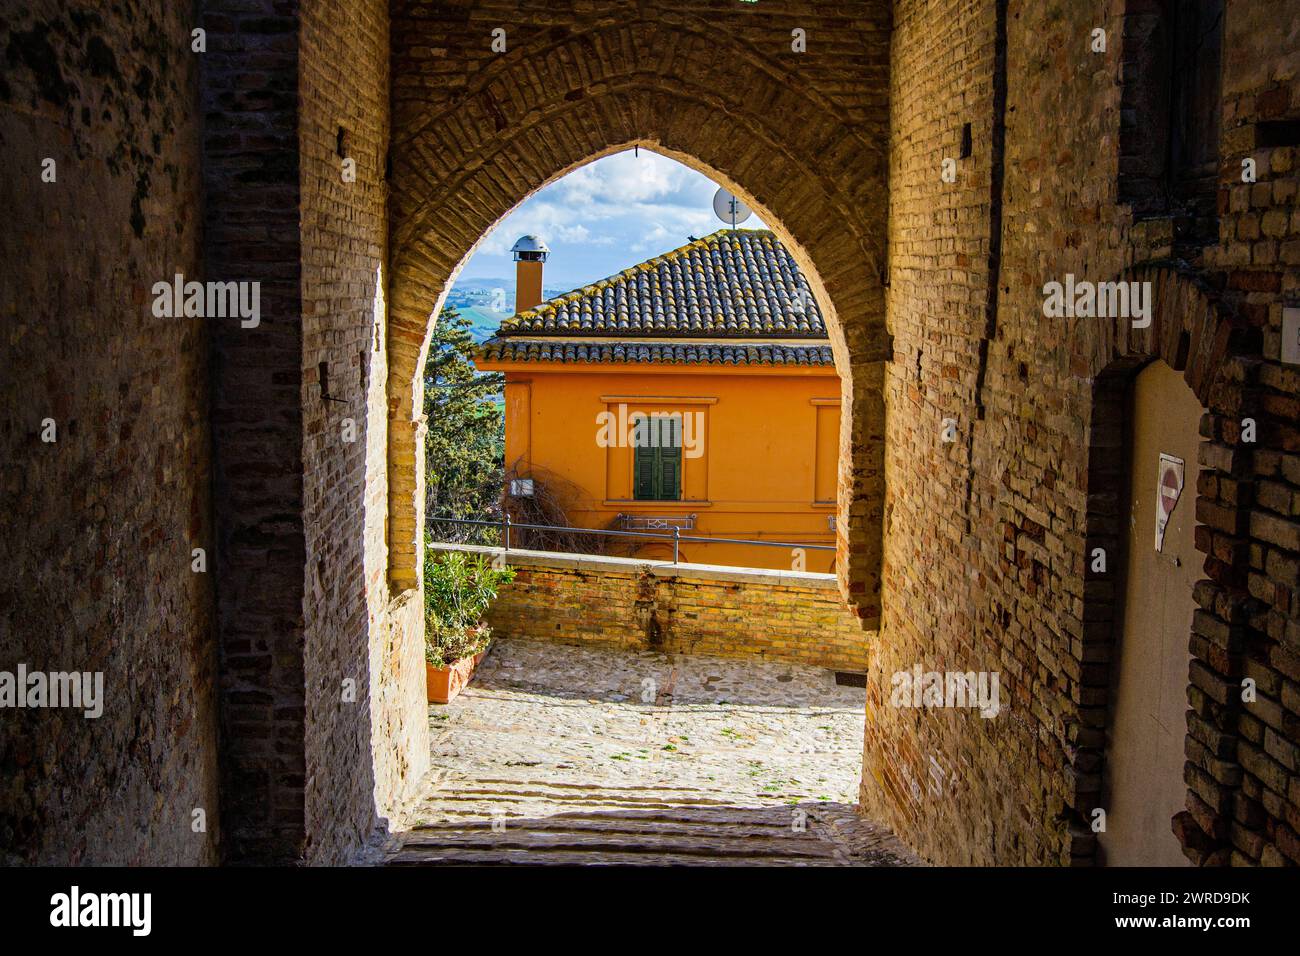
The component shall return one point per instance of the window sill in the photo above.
(654, 505)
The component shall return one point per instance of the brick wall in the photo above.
(251, 220)
(322, 686)
(350, 635)
(791, 616)
(1246, 802)
(97, 528)
(986, 537)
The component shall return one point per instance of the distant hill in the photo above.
(474, 298)
(484, 321)
(468, 284)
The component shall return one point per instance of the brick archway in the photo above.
(1195, 333)
(750, 118)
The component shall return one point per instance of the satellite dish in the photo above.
(730, 209)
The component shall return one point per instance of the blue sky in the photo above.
(603, 217)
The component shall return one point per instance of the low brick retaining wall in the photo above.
(791, 616)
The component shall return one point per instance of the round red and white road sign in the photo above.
(1171, 487)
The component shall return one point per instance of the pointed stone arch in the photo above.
(750, 119)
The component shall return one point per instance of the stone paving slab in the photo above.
(564, 754)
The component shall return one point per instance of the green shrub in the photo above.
(458, 589)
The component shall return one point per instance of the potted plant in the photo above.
(458, 589)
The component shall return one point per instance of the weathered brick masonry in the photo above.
(251, 220)
(97, 527)
(796, 617)
(366, 756)
(986, 538)
(323, 707)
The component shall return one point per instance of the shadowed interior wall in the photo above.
(252, 234)
(322, 687)
(97, 528)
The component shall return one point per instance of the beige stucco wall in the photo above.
(1145, 740)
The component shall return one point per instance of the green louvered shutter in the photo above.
(657, 466)
(670, 474)
(670, 460)
(643, 478)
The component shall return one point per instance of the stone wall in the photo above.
(988, 536)
(98, 525)
(797, 617)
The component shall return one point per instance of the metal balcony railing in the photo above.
(676, 537)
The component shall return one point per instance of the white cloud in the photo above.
(606, 216)
(626, 177)
(552, 224)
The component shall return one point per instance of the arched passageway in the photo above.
(294, 662)
(731, 108)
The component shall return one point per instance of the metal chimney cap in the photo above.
(529, 247)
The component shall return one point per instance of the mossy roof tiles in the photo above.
(740, 285)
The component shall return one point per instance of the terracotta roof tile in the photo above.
(734, 283)
(662, 353)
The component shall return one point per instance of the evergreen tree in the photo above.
(465, 446)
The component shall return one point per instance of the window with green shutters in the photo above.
(657, 470)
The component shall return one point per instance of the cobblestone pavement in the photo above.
(558, 754)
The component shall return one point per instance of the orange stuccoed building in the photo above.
(696, 390)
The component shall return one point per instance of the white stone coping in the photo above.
(595, 563)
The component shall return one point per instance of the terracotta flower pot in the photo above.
(444, 683)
